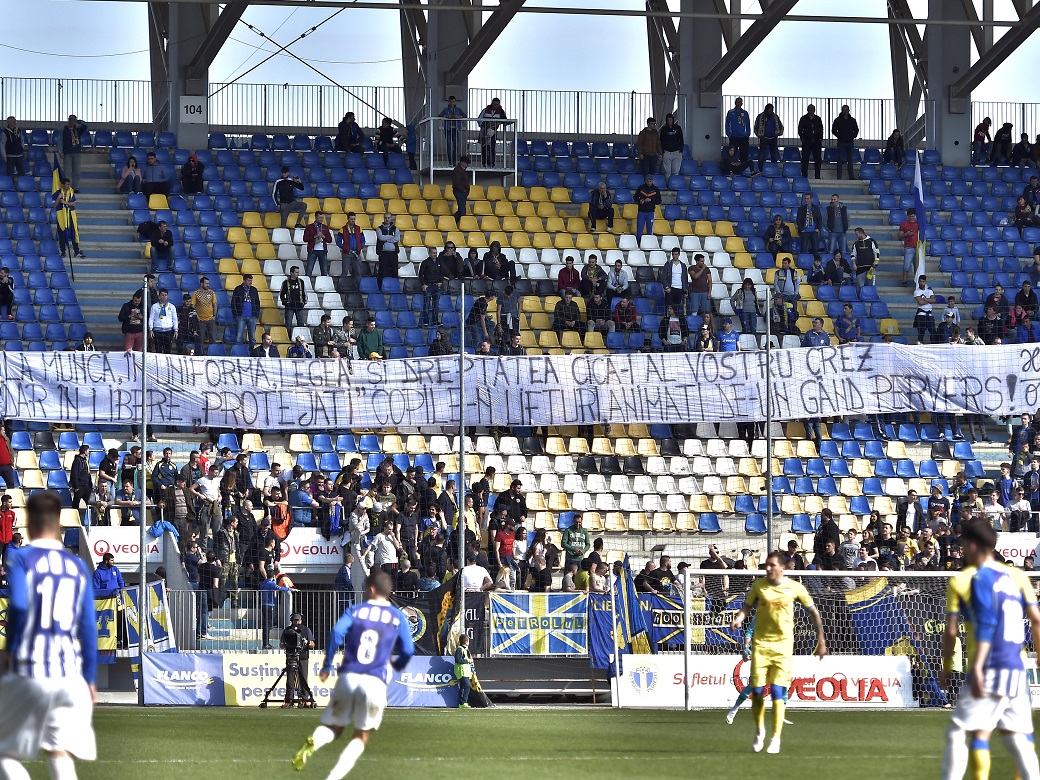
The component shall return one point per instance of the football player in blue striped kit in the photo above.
(373, 635)
(50, 656)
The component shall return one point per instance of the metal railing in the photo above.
(443, 141)
(1024, 117)
(49, 102)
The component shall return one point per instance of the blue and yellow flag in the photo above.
(539, 624)
(67, 221)
(631, 623)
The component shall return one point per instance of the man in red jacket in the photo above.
(6, 523)
(318, 237)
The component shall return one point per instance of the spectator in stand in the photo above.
(245, 306)
(299, 348)
(675, 279)
(569, 277)
(453, 114)
(191, 176)
(388, 244)
(817, 273)
(738, 129)
(837, 225)
(162, 244)
(324, 338)
(431, 279)
(778, 236)
(388, 140)
(490, 122)
(951, 310)
(6, 294)
(732, 165)
(700, 286)
(647, 198)
(460, 185)
(999, 301)
(947, 331)
(352, 241)
(512, 349)
(786, 284)
(816, 337)
(704, 341)
(865, 256)
(598, 315)
(1029, 331)
(809, 223)
(783, 318)
(995, 512)
(971, 339)
(451, 262)
(1022, 153)
(108, 580)
(909, 233)
(728, 339)
(68, 143)
(64, 202)
(827, 532)
(768, 128)
(895, 151)
(370, 341)
(673, 331)
(810, 131)
(349, 137)
(672, 143)
(838, 270)
(566, 315)
(284, 194)
(12, 148)
(593, 278)
(601, 206)
(924, 321)
(479, 324)
(625, 319)
(497, 267)
(745, 306)
(1032, 195)
(87, 344)
(1026, 298)
(1024, 216)
(163, 324)
(346, 339)
(981, 142)
(618, 281)
(79, 480)
(129, 177)
(131, 316)
(293, 295)
(847, 327)
(155, 179)
(509, 312)
(1019, 511)
(846, 130)
(188, 327)
(541, 577)
(1002, 142)
(317, 237)
(648, 148)
(205, 302)
(266, 348)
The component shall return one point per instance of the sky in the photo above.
(108, 40)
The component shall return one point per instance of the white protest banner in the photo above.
(855, 379)
(837, 681)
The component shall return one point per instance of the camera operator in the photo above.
(297, 641)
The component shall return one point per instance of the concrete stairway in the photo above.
(114, 266)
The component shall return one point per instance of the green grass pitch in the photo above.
(172, 743)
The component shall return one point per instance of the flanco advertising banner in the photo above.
(242, 679)
(1016, 546)
(850, 681)
(124, 542)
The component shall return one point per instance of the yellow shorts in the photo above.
(769, 667)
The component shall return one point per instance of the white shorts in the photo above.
(357, 699)
(51, 715)
(992, 712)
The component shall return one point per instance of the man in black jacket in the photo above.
(79, 478)
(827, 532)
(228, 556)
(245, 306)
(601, 206)
(293, 296)
(647, 198)
(266, 347)
(162, 244)
(431, 277)
(809, 222)
(284, 194)
(845, 129)
(671, 136)
(598, 314)
(566, 315)
(810, 130)
(514, 503)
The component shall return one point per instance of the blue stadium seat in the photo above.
(307, 461)
(329, 463)
(345, 442)
(755, 524)
(802, 523)
(708, 523)
(259, 461)
(322, 442)
(839, 467)
(859, 505)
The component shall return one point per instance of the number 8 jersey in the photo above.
(999, 596)
(370, 634)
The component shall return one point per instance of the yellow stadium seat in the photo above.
(412, 192)
(542, 241)
(547, 339)
(425, 222)
(519, 240)
(525, 208)
(662, 228)
(546, 209)
(628, 211)
(540, 321)
(606, 242)
(26, 459)
(389, 192)
(280, 334)
(457, 238)
(682, 227)
(782, 448)
(433, 238)
(527, 339)
(396, 206)
(743, 260)
(888, 326)
(538, 194)
(251, 219)
(441, 207)
(702, 228)
(512, 225)
(517, 194)
(264, 252)
(735, 244)
(158, 202)
(237, 235)
(700, 503)
(393, 444)
(637, 521)
(815, 309)
(560, 195)
(501, 238)
(375, 206)
(417, 207)
(647, 448)
(495, 193)
(432, 192)
(722, 504)
(724, 228)
(250, 266)
(468, 223)
(601, 445)
(273, 219)
(531, 304)
(571, 339)
(503, 208)
(749, 467)
(482, 208)
(576, 225)
(354, 204)
(259, 235)
(411, 238)
(625, 448)
(490, 224)
(332, 206)
(241, 251)
(227, 265)
(615, 522)
(534, 225)
(563, 241)
(807, 449)
(594, 340)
